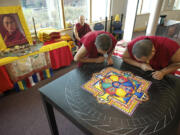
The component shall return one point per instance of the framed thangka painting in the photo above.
(13, 28)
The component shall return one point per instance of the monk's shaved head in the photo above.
(81, 19)
(103, 42)
(142, 48)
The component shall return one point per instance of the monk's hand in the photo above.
(110, 61)
(146, 67)
(100, 59)
(158, 75)
(78, 38)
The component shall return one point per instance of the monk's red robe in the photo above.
(16, 38)
(165, 48)
(82, 30)
(89, 43)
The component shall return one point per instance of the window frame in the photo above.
(175, 6)
(141, 7)
(61, 4)
(109, 12)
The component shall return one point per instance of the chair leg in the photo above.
(116, 36)
(120, 36)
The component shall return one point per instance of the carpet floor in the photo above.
(22, 113)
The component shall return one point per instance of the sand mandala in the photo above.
(121, 89)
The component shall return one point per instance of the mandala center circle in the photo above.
(116, 84)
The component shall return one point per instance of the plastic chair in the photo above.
(116, 29)
(98, 26)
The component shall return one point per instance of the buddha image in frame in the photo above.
(11, 30)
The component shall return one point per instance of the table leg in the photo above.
(50, 116)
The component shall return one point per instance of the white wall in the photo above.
(172, 15)
(141, 20)
(118, 7)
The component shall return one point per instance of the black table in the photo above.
(156, 116)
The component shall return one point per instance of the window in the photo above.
(46, 13)
(50, 13)
(144, 6)
(100, 9)
(73, 9)
(176, 5)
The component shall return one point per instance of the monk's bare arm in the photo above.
(76, 33)
(81, 57)
(109, 58)
(110, 54)
(175, 63)
(126, 58)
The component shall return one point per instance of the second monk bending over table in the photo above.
(97, 46)
(156, 53)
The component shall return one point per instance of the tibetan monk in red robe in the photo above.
(10, 32)
(97, 46)
(158, 54)
(80, 30)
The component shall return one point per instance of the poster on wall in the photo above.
(11, 30)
